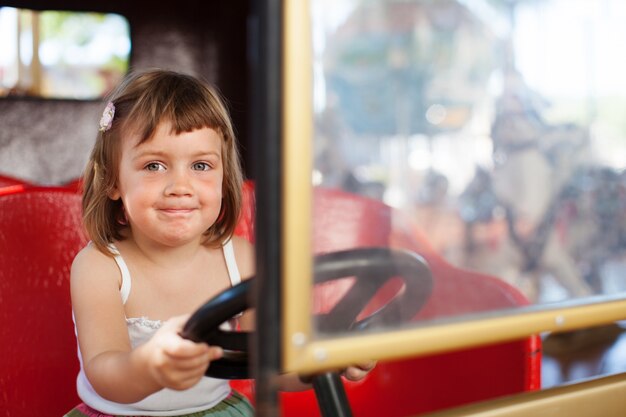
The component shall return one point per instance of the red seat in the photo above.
(245, 227)
(418, 385)
(75, 185)
(40, 232)
(8, 180)
(9, 184)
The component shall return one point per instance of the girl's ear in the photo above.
(114, 194)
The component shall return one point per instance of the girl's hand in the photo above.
(175, 362)
(358, 372)
(352, 373)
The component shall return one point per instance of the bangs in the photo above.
(180, 101)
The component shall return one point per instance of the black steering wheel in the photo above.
(372, 268)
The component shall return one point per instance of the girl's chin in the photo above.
(178, 237)
(179, 240)
(175, 234)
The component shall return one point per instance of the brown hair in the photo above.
(142, 101)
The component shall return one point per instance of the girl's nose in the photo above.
(179, 184)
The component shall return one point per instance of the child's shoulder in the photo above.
(90, 260)
(241, 243)
(90, 252)
(94, 279)
(245, 256)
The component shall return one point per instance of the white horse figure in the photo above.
(533, 162)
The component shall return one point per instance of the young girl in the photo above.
(162, 195)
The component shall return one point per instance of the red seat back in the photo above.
(8, 180)
(40, 232)
(10, 185)
(418, 385)
(245, 227)
(343, 220)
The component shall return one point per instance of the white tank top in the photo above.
(166, 402)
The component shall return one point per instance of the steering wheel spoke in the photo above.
(373, 268)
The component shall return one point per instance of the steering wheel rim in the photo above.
(372, 267)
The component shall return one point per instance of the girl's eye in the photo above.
(154, 166)
(201, 166)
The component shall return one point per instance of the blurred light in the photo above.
(316, 177)
(394, 197)
(436, 113)
(420, 159)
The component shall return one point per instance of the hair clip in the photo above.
(107, 117)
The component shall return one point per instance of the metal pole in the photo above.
(265, 31)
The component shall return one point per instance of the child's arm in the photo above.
(116, 371)
(244, 253)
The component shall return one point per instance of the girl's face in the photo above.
(171, 185)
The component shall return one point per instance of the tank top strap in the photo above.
(231, 263)
(121, 264)
(229, 257)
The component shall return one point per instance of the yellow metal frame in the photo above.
(302, 351)
(297, 138)
(601, 397)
